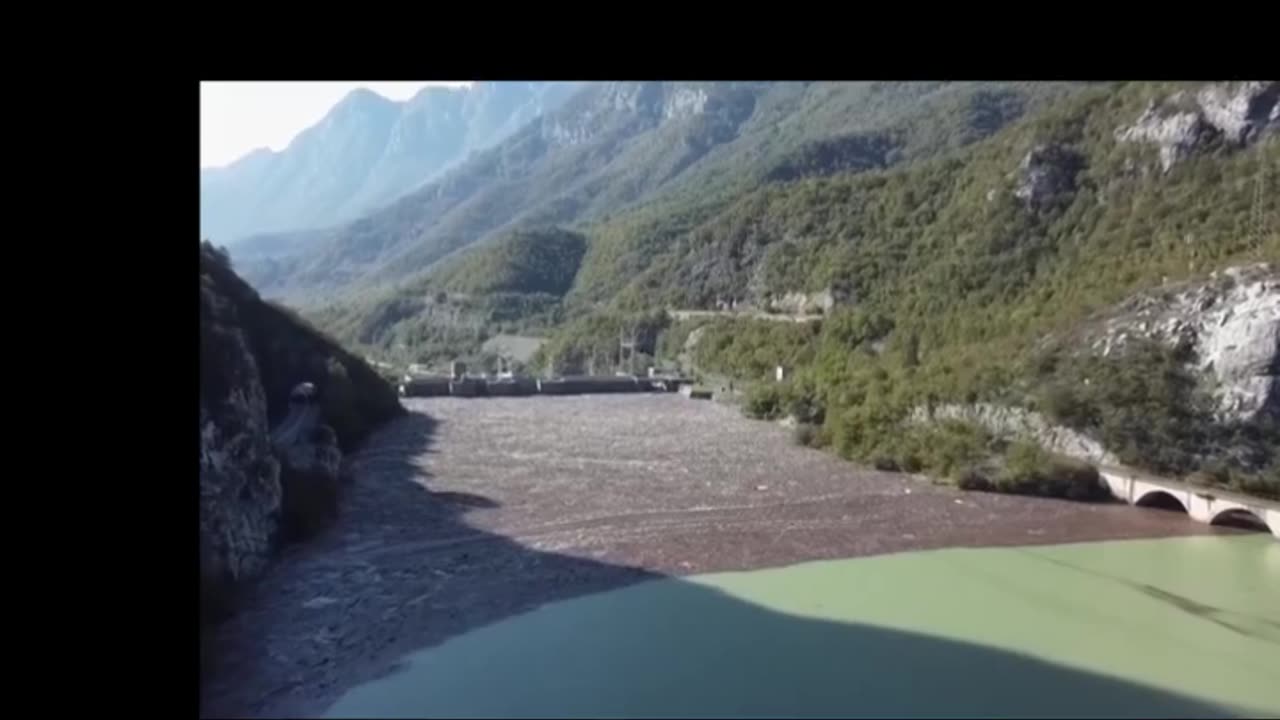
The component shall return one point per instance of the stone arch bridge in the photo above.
(1204, 505)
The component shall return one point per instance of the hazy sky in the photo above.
(237, 117)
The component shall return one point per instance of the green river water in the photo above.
(1142, 628)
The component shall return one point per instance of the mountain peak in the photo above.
(365, 151)
(363, 98)
(364, 94)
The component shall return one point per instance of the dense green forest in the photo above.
(525, 261)
(591, 343)
(513, 285)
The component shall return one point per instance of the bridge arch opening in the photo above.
(1161, 500)
(1240, 519)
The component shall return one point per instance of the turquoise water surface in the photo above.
(1171, 627)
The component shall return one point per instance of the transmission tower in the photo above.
(1258, 220)
(627, 350)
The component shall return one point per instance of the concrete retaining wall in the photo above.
(583, 385)
(465, 387)
(507, 387)
(515, 387)
(425, 387)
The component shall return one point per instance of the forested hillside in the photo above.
(953, 274)
(615, 145)
(966, 219)
(948, 274)
(514, 284)
(524, 261)
(958, 273)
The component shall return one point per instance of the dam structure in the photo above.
(460, 384)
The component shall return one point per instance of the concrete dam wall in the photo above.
(523, 386)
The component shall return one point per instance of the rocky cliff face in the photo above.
(1231, 324)
(1236, 113)
(798, 303)
(240, 493)
(1231, 320)
(684, 102)
(365, 153)
(632, 106)
(1046, 171)
(607, 107)
(259, 487)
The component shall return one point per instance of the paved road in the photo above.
(737, 314)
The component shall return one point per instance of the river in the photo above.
(1172, 627)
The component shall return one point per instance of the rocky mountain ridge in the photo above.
(364, 153)
(617, 145)
(1235, 113)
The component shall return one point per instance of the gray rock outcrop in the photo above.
(1238, 113)
(1013, 423)
(613, 105)
(622, 108)
(684, 102)
(800, 303)
(1241, 114)
(1047, 170)
(1232, 321)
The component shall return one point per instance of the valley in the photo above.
(967, 345)
(466, 512)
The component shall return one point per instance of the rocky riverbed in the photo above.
(467, 511)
